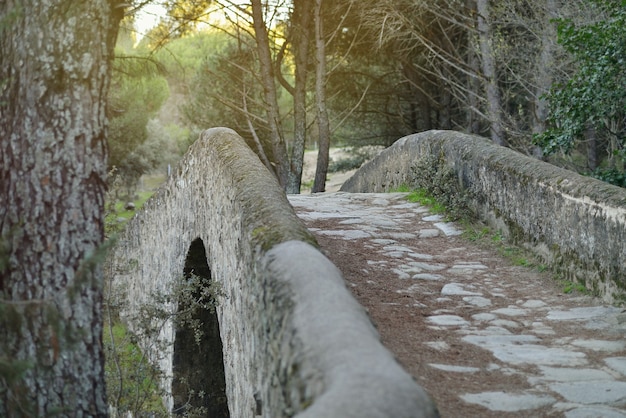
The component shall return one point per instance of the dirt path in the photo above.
(484, 337)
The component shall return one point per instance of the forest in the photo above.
(546, 78)
(89, 103)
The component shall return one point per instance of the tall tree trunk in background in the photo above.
(300, 34)
(544, 71)
(323, 123)
(494, 102)
(281, 160)
(445, 105)
(420, 117)
(591, 138)
(54, 76)
(473, 81)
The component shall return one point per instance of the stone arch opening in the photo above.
(199, 385)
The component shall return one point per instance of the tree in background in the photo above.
(54, 70)
(136, 94)
(266, 71)
(476, 66)
(298, 36)
(438, 61)
(267, 79)
(182, 18)
(226, 92)
(591, 106)
(323, 123)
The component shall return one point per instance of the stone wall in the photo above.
(295, 342)
(576, 224)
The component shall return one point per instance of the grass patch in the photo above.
(152, 181)
(436, 186)
(484, 235)
(117, 215)
(403, 188)
(132, 383)
(423, 197)
(477, 232)
(572, 287)
(306, 185)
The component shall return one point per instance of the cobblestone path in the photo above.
(485, 337)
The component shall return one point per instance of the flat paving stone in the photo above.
(477, 301)
(595, 412)
(596, 392)
(569, 374)
(447, 320)
(601, 345)
(506, 323)
(617, 364)
(455, 369)
(456, 289)
(484, 317)
(534, 304)
(347, 234)
(429, 233)
(519, 349)
(509, 402)
(427, 276)
(582, 313)
(448, 229)
(510, 311)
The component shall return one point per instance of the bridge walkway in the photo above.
(484, 335)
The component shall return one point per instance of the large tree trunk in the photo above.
(54, 75)
(281, 160)
(323, 123)
(494, 103)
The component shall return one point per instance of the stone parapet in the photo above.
(576, 224)
(295, 342)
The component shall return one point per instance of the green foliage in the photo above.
(41, 321)
(182, 18)
(132, 378)
(12, 371)
(182, 57)
(132, 382)
(572, 287)
(595, 96)
(403, 188)
(424, 197)
(115, 213)
(133, 99)
(226, 92)
(610, 175)
(6, 20)
(476, 233)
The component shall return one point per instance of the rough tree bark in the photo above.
(323, 123)
(54, 75)
(281, 161)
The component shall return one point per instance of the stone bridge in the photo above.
(287, 338)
